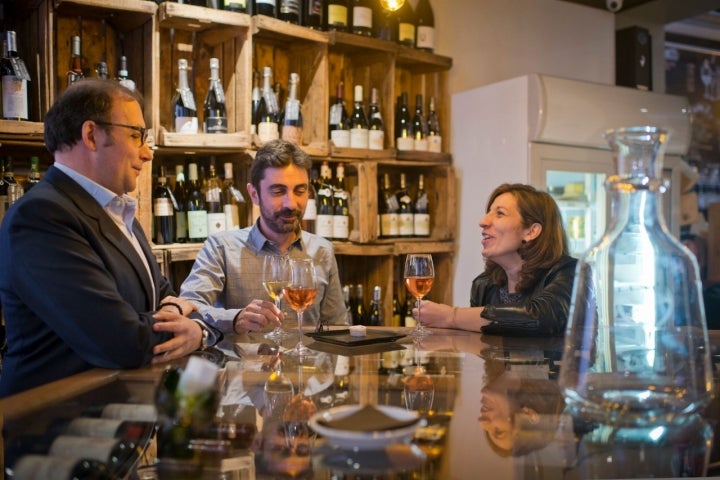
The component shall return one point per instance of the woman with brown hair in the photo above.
(527, 283)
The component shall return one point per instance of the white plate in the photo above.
(364, 440)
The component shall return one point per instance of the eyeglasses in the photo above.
(141, 130)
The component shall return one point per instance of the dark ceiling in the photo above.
(602, 4)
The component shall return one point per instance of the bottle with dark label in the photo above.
(183, 102)
(124, 76)
(404, 139)
(376, 135)
(359, 133)
(76, 72)
(385, 22)
(419, 125)
(233, 201)
(325, 202)
(14, 81)
(341, 211)
(421, 215)
(213, 202)
(406, 25)
(361, 14)
(265, 7)
(313, 16)
(33, 177)
(405, 217)
(292, 120)
(268, 111)
(290, 11)
(336, 15)
(180, 194)
(214, 110)
(240, 6)
(425, 26)
(339, 124)
(163, 211)
(434, 137)
(359, 312)
(375, 317)
(197, 215)
(389, 210)
(309, 221)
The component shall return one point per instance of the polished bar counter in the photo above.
(496, 412)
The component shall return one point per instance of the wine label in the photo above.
(197, 224)
(422, 224)
(99, 449)
(215, 222)
(434, 143)
(359, 138)
(141, 412)
(94, 427)
(405, 143)
(186, 124)
(14, 98)
(340, 226)
(46, 467)
(425, 37)
(180, 225)
(268, 131)
(389, 225)
(406, 33)
(337, 15)
(362, 17)
(310, 210)
(420, 145)
(376, 140)
(216, 125)
(162, 207)
(232, 216)
(407, 225)
(324, 226)
(341, 138)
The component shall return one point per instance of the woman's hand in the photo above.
(187, 336)
(258, 315)
(436, 315)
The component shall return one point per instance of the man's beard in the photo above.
(275, 223)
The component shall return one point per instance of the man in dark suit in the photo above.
(79, 284)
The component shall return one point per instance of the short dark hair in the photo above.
(277, 154)
(88, 99)
(538, 255)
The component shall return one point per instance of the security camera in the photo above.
(614, 5)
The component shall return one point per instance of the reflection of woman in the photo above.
(520, 415)
(527, 283)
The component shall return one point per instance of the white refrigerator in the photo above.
(548, 131)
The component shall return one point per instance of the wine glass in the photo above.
(419, 276)
(419, 391)
(275, 276)
(300, 293)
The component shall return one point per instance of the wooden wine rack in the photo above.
(153, 37)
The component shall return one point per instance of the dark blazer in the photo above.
(74, 292)
(544, 311)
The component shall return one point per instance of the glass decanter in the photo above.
(636, 348)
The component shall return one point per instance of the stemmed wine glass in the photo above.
(276, 275)
(419, 276)
(300, 293)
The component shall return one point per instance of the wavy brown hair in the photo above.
(543, 252)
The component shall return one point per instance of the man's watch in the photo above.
(204, 341)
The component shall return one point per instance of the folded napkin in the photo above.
(367, 419)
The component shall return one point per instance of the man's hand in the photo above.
(258, 315)
(187, 336)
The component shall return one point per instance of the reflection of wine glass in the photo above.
(275, 277)
(278, 392)
(419, 276)
(419, 391)
(300, 293)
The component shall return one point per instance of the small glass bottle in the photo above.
(214, 110)
(636, 347)
(75, 73)
(292, 120)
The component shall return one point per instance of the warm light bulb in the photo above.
(392, 5)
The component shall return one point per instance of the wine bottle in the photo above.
(240, 6)
(292, 123)
(425, 26)
(434, 137)
(341, 381)
(14, 81)
(76, 71)
(232, 200)
(339, 133)
(359, 133)
(406, 222)
(214, 110)
(265, 7)
(406, 25)
(267, 126)
(336, 15)
(124, 76)
(419, 126)
(348, 305)
(14, 189)
(163, 211)
(375, 318)
(290, 11)
(396, 314)
(309, 221)
(62, 468)
(183, 102)
(341, 211)
(362, 17)
(389, 210)
(197, 215)
(313, 17)
(385, 22)
(256, 99)
(213, 202)
(324, 224)
(404, 139)
(180, 194)
(408, 319)
(359, 311)
(33, 177)
(376, 135)
(421, 215)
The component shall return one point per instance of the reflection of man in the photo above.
(520, 415)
